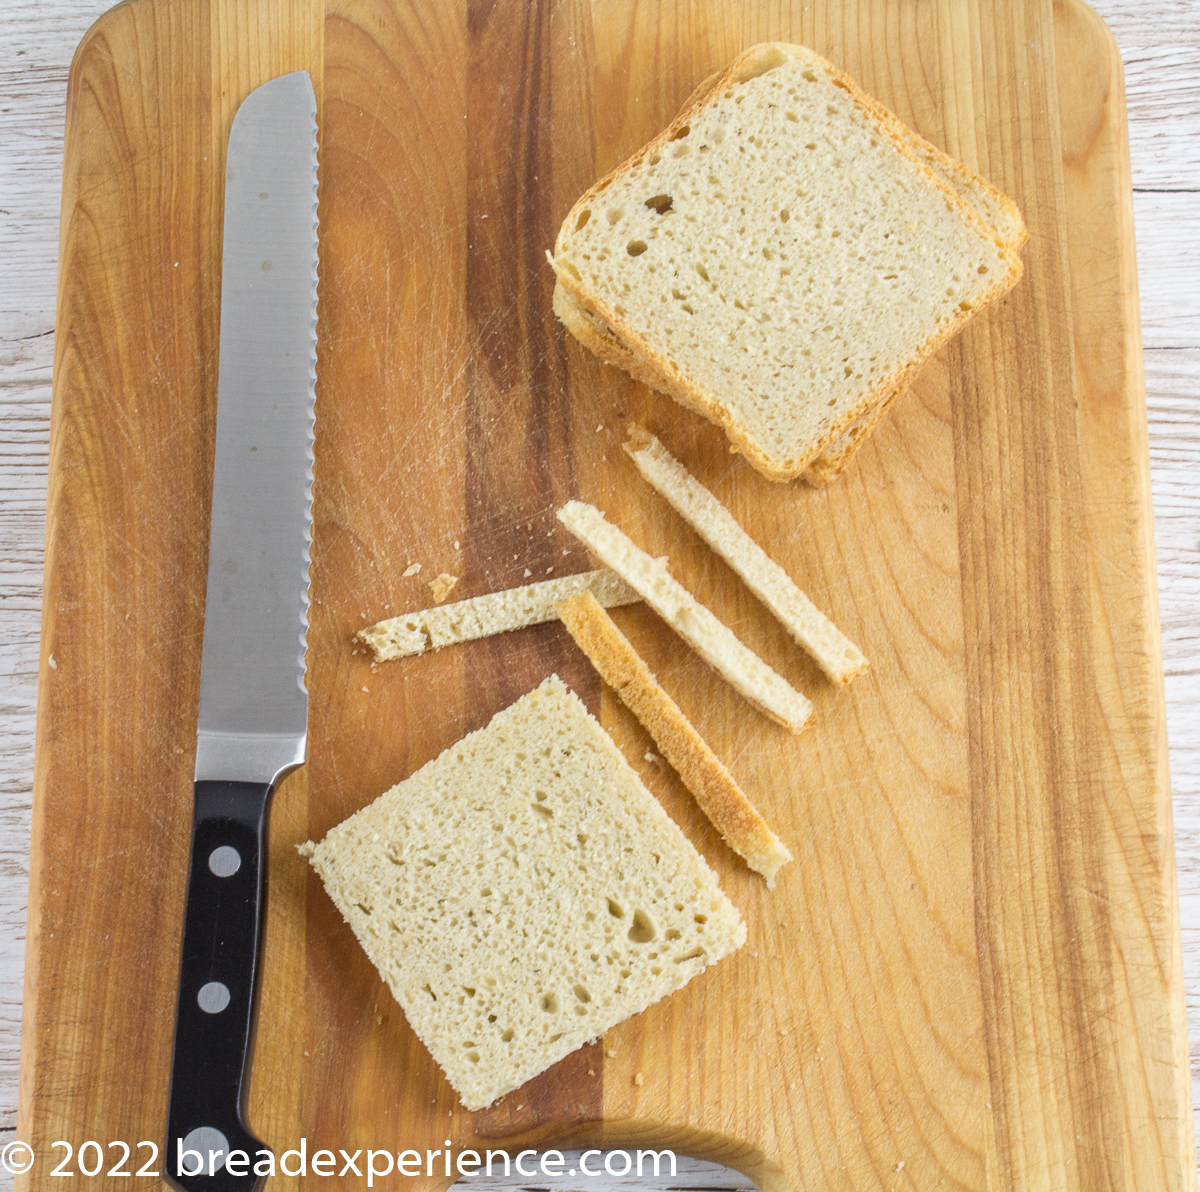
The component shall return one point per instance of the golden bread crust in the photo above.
(714, 788)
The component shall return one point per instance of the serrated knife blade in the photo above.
(253, 703)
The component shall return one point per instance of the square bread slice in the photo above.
(782, 258)
(523, 892)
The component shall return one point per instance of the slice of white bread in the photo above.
(780, 259)
(703, 773)
(714, 641)
(524, 892)
(497, 612)
(995, 208)
(832, 650)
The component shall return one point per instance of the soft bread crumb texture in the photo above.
(782, 255)
(523, 892)
(482, 616)
(813, 631)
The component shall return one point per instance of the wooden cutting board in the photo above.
(970, 976)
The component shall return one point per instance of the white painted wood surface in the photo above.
(1160, 45)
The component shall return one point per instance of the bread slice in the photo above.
(832, 650)
(709, 637)
(497, 612)
(524, 892)
(999, 212)
(993, 207)
(712, 785)
(781, 258)
(990, 204)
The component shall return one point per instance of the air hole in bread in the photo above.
(808, 74)
(761, 63)
(680, 133)
(681, 150)
(660, 203)
(792, 117)
(473, 1056)
(582, 994)
(614, 215)
(615, 909)
(694, 954)
(549, 1003)
(584, 216)
(700, 269)
(643, 929)
(717, 136)
(785, 214)
(811, 145)
(507, 1036)
(635, 248)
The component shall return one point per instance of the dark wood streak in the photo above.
(518, 442)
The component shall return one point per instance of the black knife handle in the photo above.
(210, 1070)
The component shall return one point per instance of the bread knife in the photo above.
(253, 702)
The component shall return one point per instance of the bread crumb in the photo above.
(442, 586)
(52, 662)
(528, 573)
(612, 1055)
(591, 1071)
(653, 758)
(413, 569)
(456, 546)
(366, 689)
(638, 1079)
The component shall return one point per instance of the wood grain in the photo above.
(135, 366)
(860, 1039)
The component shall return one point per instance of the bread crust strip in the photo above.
(703, 773)
(483, 616)
(817, 635)
(709, 636)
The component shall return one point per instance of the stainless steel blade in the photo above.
(253, 703)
